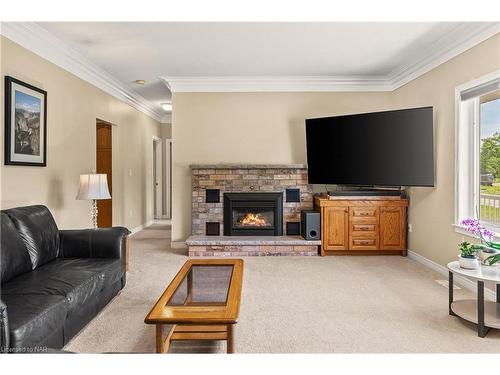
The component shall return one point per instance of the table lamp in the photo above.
(93, 187)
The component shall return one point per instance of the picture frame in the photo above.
(25, 140)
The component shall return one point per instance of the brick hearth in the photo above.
(251, 246)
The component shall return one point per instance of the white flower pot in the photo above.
(468, 263)
(486, 253)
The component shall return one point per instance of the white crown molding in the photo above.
(458, 40)
(39, 41)
(166, 119)
(276, 83)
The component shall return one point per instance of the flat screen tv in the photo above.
(391, 148)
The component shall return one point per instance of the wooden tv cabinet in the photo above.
(362, 225)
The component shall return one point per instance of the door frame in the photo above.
(157, 177)
(167, 187)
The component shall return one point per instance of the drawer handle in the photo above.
(364, 227)
(364, 242)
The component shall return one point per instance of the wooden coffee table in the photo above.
(201, 303)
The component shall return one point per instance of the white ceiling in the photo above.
(136, 50)
(198, 51)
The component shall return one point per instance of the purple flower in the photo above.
(475, 227)
(488, 233)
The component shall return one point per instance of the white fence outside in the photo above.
(490, 208)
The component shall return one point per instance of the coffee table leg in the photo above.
(482, 330)
(163, 343)
(450, 293)
(230, 338)
(498, 293)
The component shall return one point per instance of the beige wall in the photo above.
(72, 109)
(166, 131)
(432, 209)
(269, 128)
(247, 128)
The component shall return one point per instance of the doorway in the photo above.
(157, 178)
(104, 162)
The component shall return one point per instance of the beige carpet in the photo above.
(358, 304)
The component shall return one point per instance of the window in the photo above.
(489, 158)
(478, 151)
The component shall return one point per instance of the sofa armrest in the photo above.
(93, 243)
(4, 328)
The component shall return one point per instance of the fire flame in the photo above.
(255, 220)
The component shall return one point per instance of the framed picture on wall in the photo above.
(25, 124)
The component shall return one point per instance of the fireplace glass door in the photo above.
(253, 214)
(253, 218)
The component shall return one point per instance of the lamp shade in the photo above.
(93, 186)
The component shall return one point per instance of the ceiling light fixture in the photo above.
(167, 107)
(140, 81)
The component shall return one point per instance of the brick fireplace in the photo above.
(258, 204)
(238, 178)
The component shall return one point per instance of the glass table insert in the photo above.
(203, 285)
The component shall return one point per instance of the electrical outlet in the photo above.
(131, 213)
(130, 172)
(409, 228)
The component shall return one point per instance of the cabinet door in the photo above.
(392, 228)
(335, 228)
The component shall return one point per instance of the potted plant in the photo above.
(490, 251)
(467, 257)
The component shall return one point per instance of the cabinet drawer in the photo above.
(364, 229)
(363, 212)
(359, 243)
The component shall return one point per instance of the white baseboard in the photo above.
(178, 245)
(141, 227)
(463, 281)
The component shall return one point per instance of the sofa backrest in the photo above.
(14, 256)
(39, 232)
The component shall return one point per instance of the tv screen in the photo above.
(392, 148)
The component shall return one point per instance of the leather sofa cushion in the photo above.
(112, 270)
(38, 230)
(40, 303)
(14, 257)
(32, 318)
(73, 279)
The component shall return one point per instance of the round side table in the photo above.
(486, 314)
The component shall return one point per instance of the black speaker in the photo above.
(292, 228)
(310, 225)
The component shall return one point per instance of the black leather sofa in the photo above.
(53, 282)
